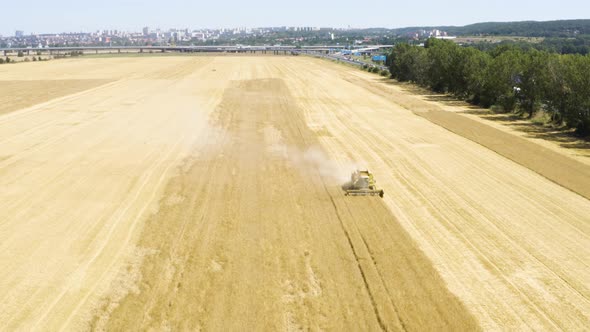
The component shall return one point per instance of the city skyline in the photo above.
(23, 33)
(63, 16)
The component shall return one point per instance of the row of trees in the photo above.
(8, 60)
(506, 77)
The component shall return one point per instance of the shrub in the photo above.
(7, 60)
(34, 59)
(583, 128)
(20, 54)
(1, 61)
(384, 73)
(497, 109)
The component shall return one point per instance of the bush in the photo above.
(374, 70)
(40, 59)
(27, 59)
(20, 54)
(384, 73)
(7, 60)
(34, 59)
(1, 61)
(583, 128)
(497, 109)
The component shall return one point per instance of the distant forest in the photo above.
(577, 45)
(564, 37)
(561, 29)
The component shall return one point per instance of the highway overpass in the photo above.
(208, 49)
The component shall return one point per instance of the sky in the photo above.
(54, 16)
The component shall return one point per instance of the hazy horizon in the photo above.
(132, 15)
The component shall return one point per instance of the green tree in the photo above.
(468, 73)
(557, 87)
(532, 79)
(396, 67)
(501, 81)
(442, 58)
(475, 65)
(577, 106)
(409, 63)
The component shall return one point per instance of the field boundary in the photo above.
(563, 170)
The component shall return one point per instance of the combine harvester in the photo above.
(362, 183)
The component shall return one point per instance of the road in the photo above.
(342, 58)
(204, 193)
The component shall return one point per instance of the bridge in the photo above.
(182, 49)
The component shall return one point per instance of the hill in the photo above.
(561, 28)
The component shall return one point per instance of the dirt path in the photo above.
(203, 192)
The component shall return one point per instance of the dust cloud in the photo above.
(314, 158)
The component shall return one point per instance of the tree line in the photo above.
(506, 78)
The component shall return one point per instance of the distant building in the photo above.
(146, 31)
(19, 34)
